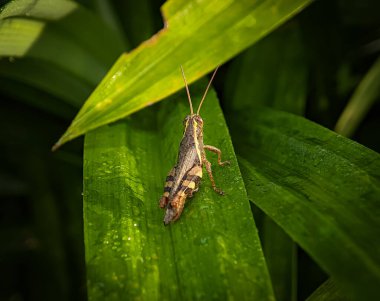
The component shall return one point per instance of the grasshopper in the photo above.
(184, 178)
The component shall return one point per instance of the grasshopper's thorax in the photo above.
(192, 140)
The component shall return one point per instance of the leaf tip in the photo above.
(61, 141)
(56, 145)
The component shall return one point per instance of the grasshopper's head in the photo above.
(193, 124)
(193, 119)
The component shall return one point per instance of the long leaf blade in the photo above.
(363, 98)
(321, 188)
(212, 252)
(328, 291)
(55, 34)
(150, 72)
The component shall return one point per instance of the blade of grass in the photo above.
(328, 291)
(281, 257)
(321, 188)
(39, 9)
(37, 40)
(55, 34)
(17, 36)
(212, 252)
(197, 35)
(49, 78)
(361, 101)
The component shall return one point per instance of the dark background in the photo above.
(41, 233)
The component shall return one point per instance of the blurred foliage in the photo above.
(313, 193)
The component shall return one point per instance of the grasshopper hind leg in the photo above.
(167, 189)
(209, 171)
(208, 165)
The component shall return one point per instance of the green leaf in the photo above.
(35, 98)
(49, 78)
(281, 256)
(266, 76)
(328, 291)
(18, 35)
(321, 188)
(39, 9)
(361, 101)
(212, 252)
(56, 34)
(199, 43)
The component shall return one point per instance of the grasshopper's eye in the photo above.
(199, 120)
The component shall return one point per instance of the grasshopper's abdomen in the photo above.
(174, 201)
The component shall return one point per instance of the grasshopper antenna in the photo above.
(188, 92)
(208, 86)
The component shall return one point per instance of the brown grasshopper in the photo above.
(184, 178)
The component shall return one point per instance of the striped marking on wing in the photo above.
(190, 181)
(169, 183)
